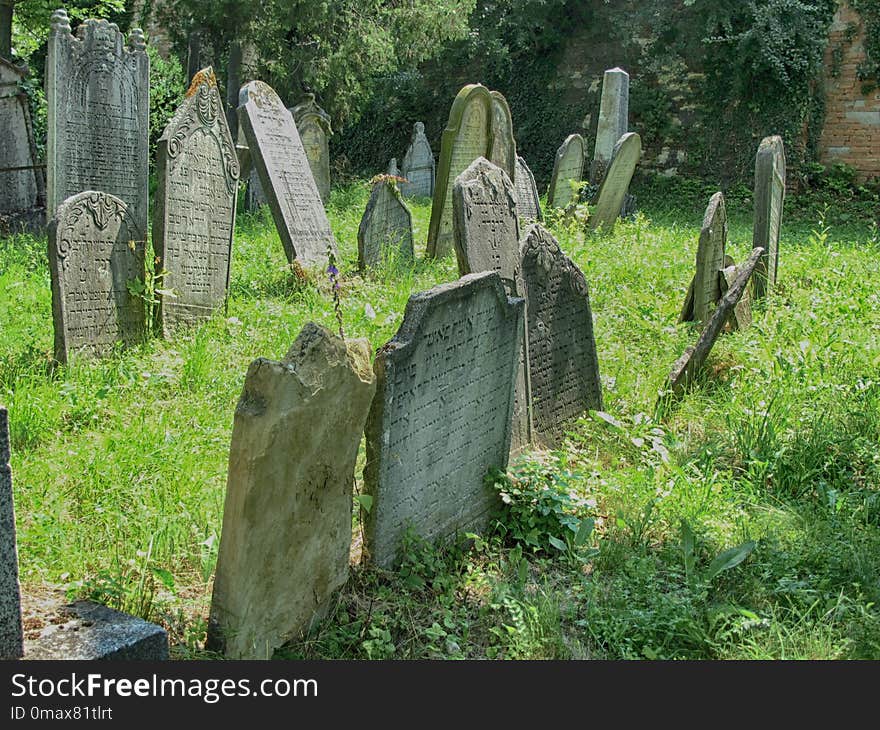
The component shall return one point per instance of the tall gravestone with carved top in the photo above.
(313, 125)
(769, 196)
(98, 107)
(194, 215)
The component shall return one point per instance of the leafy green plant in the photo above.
(725, 560)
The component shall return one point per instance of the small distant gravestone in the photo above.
(705, 289)
(486, 228)
(280, 160)
(769, 196)
(568, 166)
(691, 362)
(286, 537)
(468, 135)
(385, 232)
(313, 125)
(11, 637)
(418, 166)
(442, 413)
(613, 121)
(97, 94)
(392, 168)
(563, 367)
(95, 250)
(194, 214)
(503, 152)
(528, 203)
(612, 192)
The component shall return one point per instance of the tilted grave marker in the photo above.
(705, 289)
(769, 197)
(567, 167)
(385, 231)
(612, 192)
(528, 203)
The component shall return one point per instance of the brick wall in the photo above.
(852, 123)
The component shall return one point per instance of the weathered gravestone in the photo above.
(612, 192)
(95, 250)
(286, 534)
(418, 166)
(468, 135)
(686, 368)
(769, 196)
(11, 637)
(486, 228)
(567, 167)
(528, 203)
(705, 289)
(442, 413)
(21, 181)
(98, 103)
(313, 125)
(392, 168)
(280, 160)
(563, 368)
(741, 317)
(194, 215)
(385, 232)
(503, 151)
(613, 120)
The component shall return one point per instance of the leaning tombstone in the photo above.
(503, 151)
(96, 251)
(613, 121)
(687, 367)
(11, 636)
(485, 224)
(442, 414)
(528, 203)
(286, 537)
(568, 168)
(22, 189)
(612, 192)
(563, 367)
(705, 289)
(313, 125)
(385, 232)
(769, 196)
(98, 106)
(286, 178)
(194, 215)
(418, 166)
(468, 135)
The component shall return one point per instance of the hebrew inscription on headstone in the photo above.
(194, 215)
(385, 232)
(769, 196)
(313, 125)
(528, 204)
(612, 192)
(11, 637)
(568, 168)
(418, 166)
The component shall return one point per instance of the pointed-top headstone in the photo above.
(769, 196)
(568, 168)
(385, 231)
(313, 125)
(418, 166)
(612, 192)
(705, 290)
(613, 120)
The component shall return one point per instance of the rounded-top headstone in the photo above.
(568, 168)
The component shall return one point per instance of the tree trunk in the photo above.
(6, 28)
(194, 54)
(233, 82)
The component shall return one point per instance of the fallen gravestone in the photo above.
(485, 224)
(705, 289)
(563, 367)
(612, 192)
(96, 250)
(528, 204)
(686, 368)
(442, 413)
(194, 215)
(769, 196)
(418, 166)
(98, 105)
(385, 233)
(286, 534)
(11, 637)
(286, 178)
(503, 151)
(613, 121)
(468, 135)
(313, 125)
(568, 169)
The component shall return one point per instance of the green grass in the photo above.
(120, 463)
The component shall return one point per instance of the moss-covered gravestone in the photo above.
(769, 196)
(568, 169)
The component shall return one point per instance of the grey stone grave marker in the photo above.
(528, 204)
(612, 192)
(313, 125)
(442, 413)
(613, 121)
(769, 196)
(11, 636)
(468, 135)
(194, 215)
(563, 367)
(418, 166)
(286, 534)
(280, 160)
(392, 168)
(486, 228)
(705, 289)
(95, 250)
(568, 166)
(385, 231)
(98, 102)
(503, 152)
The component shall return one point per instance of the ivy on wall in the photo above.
(869, 70)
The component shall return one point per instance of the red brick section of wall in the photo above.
(852, 122)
